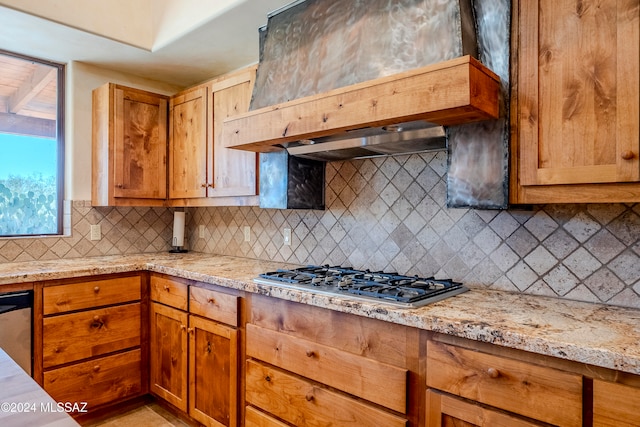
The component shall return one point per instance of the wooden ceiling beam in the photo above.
(31, 87)
(27, 126)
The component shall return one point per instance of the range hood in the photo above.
(458, 91)
(404, 138)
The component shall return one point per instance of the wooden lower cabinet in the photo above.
(193, 359)
(615, 405)
(90, 339)
(520, 387)
(309, 366)
(213, 373)
(444, 410)
(168, 354)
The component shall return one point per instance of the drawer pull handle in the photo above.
(310, 353)
(96, 289)
(309, 397)
(267, 378)
(493, 372)
(628, 155)
(211, 300)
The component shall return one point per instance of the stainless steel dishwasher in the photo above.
(16, 318)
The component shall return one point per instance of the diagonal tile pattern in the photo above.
(390, 214)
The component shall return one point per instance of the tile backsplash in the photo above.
(390, 214)
(124, 231)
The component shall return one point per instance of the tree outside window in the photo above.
(31, 146)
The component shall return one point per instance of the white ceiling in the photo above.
(181, 42)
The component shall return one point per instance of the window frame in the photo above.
(60, 140)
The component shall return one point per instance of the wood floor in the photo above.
(149, 415)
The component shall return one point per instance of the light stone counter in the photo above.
(589, 333)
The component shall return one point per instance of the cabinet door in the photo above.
(188, 144)
(577, 97)
(140, 145)
(447, 411)
(234, 171)
(168, 354)
(213, 372)
(615, 405)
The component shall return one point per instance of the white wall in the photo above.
(81, 79)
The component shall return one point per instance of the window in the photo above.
(31, 146)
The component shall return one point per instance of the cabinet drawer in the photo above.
(446, 410)
(214, 305)
(255, 418)
(345, 371)
(170, 292)
(76, 336)
(97, 381)
(302, 403)
(541, 393)
(89, 294)
(615, 405)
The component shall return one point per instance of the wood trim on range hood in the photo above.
(453, 92)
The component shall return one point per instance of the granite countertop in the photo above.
(596, 334)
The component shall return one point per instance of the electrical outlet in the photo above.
(96, 232)
(286, 234)
(247, 233)
(201, 231)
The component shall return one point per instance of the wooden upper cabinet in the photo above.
(129, 147)
(202, 172)
(234, 170)
(576, 101)
(188, 144)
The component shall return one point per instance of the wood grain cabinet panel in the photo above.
(350, 373)
(303, 403)
(577, 101)
(90, 338)
(98, 381)
(541, 393)
(202, 171)
(168, 355)
(94, 293)
(76, 336)
(255, 418)
(171, 292)
(188, 144)
(214, 305)
(129, 148)
(213, 373)
(444, 410)
(615, 405)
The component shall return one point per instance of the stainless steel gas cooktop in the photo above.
(372, 286)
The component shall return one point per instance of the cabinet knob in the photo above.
(211, 300)
(190, 330)
(96, 368)
(267, 378)
(183, 327)
(166, 288)
(211, 186)
(96, 289)
(119, 185)
(628, 155)
(493, 372)
(205, 185)
(309, 397)
(310, 353)
(96, 318)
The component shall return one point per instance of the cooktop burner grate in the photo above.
(401, 290)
